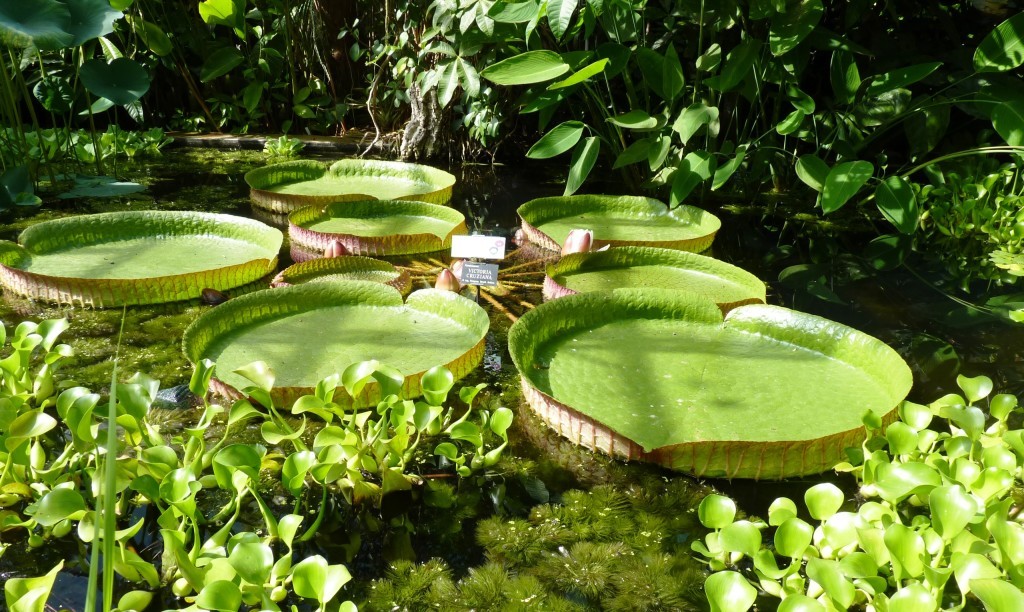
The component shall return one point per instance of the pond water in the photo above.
(937, 336)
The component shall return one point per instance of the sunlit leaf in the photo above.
(526, 68)
(1003, 48)
(843, 182)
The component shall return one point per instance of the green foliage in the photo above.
(935, 525)
(283, 146)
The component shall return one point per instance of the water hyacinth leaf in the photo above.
(830, 576)
(1002, 405)
(812, 171)
(800, 603)
(30, 594)
(899, 78)
(902, 438)
(501, 420)
(693, 118)
(952, 508)
(976, 388)
(896, 200)
(858, 565)
(907, 550)
(823, 500)
(581, 75)
(1003, 48)
(436, 383)
(468, 431)
(122, 81)
(447, 450)
(43, 23)
(526, 68)
(258, 373)
(742, 537)
(220, 595)
(998, 595)
(253, 562)
(843, 182)
(59, 504)
(583, 158)
(219, 63)
(781, 510)
(793, 537)
(635, 120)
(729, 591)
(716, 511)
(790, 27)
(897, 481)
(135, 600)
(28, 425)
(971, 566)
(912, 598)
(313, 578)
(294, 470)
(560, 139)
(694, 169)
(1008, 121)
(845, 76)
(90, 19)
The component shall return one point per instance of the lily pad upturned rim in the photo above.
(535, 213)
(316, 269)
(396, 244)
(261, 180)
(84, 230)
(753, 289)
(712, 458)
(272, 304)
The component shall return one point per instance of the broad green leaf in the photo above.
(790, 27)
(726, 170)
(315, 579)
(634, 120)
(470, 78)
(230, 13)
(635, 152)
(526, 68)
(259, 373)
(858, 565)
(907, 550)
(583, 159)
(823, 500)
(90, 19)
(1003, 48)
(122, 81)
(692, 119)
(738, 66)
(652, 67)
(781, 510)
(812, 171)
(514, 12)
(672, 79)
(998, 595)
(560, 16)
(252, 561)
(952, 508)
(58, 505)
(897, 481)
(1008, 120)
(845, 76)
(791, 122)
(30, 594)
(729, 591)
(151, 35)
(560, 139)
(693, 170)
(742, 537)
(793, 537)
(896, 200)
(970, 566)
(436, 383)
(902, 438)
(716, 511)
(220, 595)
(219, 63)
(44, 23)
(581, 75)
(447, 83)
(976, 388)
(912, 598)
(830, 576)
(899, 78)
(501, 420)
(800, 603)
(843, 182)
(1001, 405)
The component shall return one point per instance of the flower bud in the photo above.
(578, 241)
(456, 268)
(212, 297)
(446, 281)
(335, 249)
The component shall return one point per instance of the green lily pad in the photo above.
(328, 269)
(376, 227)
(641, 267)
(618, 220)
(137, 257)
(310, 331)
(662, 376)
(100, 187)
(286, 186)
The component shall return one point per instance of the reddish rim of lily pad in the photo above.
(349, 267)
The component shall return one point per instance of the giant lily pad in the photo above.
(137, 257)
(328, 269)
(662, 376)
(639, 267)
(376, 227)
(286, 186)
(618, 220)
(306, 332)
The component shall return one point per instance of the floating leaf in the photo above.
(716, 511)
(729, 591)
(952, 508)
(998, 595)
(793, 537)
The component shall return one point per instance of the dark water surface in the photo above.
(926, 328)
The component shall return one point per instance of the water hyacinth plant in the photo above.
(936, 524)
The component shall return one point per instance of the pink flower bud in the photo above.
(456, 268)
(446, 281)
(578, 241)
(335, 249)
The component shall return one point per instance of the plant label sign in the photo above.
(482, 247)
(481, 274)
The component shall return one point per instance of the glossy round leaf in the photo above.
(781, 510)
(823, 500)
(729, 591)
(912, 598)
(793, 537)
(220, 595)
(57, 505)
(716, 511)
(122, 81)
(44, 23)
(976, 388)
(800, 603)
(253, 562)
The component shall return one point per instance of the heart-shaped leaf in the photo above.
(952, 508)
(122, 81)
(793, 537)
(729, 592)
(823, 500)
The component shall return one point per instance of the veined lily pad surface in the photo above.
(662, 376)
(640, 267)
(376, 227)
(137, 257)
(329, 269)
(618, 220)
(289, 185)
(310, 331)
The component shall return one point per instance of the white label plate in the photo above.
(481, 247)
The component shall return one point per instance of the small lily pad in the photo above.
(100, 187)
(328, 269)
(618, 221)
(290, 185)
(376, 227)
(641, 267)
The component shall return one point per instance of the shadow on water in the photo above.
(894, 306)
